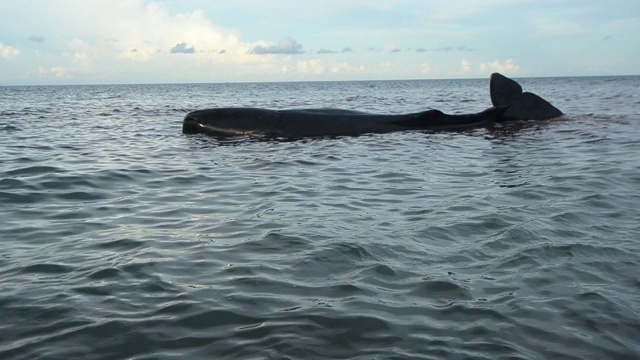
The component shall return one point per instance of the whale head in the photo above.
(229, 121)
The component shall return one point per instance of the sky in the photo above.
(203, 41)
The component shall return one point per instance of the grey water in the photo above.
(122, 238)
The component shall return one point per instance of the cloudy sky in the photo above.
(166, 41)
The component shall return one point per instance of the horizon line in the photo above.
(307, 81)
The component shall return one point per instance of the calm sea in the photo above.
(122, 238)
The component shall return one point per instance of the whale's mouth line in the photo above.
(227, 131)
(191, 125)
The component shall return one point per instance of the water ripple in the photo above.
(123, 238)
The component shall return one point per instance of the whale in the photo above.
(298, 123)
(509, 103)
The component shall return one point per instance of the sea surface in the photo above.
(122, 238)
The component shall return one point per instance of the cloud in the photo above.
(426, 69)
(124, 39)
(39, 39)
(465, 65)
(329, 51)
(182, 48)
(392, 49)
(314, 66)
(284, 46)
(78, 45)
(346, 68)
(508, 67)
(446, 49)
(58, 72)
(8, 52)
(385, 67)
(140, 53)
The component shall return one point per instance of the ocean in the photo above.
(123, 238)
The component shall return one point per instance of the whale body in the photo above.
(325, 122)
(510, 103)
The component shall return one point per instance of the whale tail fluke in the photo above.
(503, 91)
(521, 105)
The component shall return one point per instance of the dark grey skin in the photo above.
(520, 105)
(509, 104)
(325, 122)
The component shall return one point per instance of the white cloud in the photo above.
(8, 52)
(426, 69)
(58, 72)
(508, 67)
(194, 29)
(106, 41)
(315, 66)
(78, 45)
(117, 36)
(465, 66)
(141, 53)
(346, 68)
(81, 59)
(385, 67)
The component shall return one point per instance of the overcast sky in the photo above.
(138, 41)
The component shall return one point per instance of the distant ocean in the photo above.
(122, 238)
